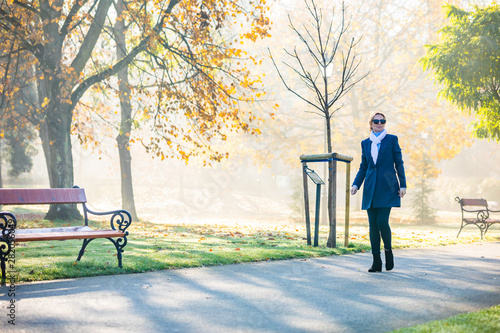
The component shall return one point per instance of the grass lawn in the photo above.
(155, 246)
(484, 321)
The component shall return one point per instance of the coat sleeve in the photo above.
(399, 164)
(360, 176)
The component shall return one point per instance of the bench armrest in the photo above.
(483, 215)
(120, 219)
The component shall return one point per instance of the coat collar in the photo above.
(383, 145)
(368, 148)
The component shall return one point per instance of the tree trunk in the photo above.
(332, 174)
(55, 134)
(123, 138)
(60, 161)
(44, 136)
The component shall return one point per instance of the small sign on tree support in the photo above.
(332, 159)
(318, 181)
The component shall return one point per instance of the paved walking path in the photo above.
(332, 294)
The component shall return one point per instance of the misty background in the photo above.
(261, 180)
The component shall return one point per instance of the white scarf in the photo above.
(375, 141)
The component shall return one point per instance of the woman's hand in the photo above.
(402, 192)
(354, 190)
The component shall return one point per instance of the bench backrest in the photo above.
(26, 196)
(474, 202)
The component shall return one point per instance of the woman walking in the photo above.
(383, 173)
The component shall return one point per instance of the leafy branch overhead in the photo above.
(465, 62)
(59, 73)
(180, 55)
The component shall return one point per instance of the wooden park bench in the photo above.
(476, 212)
(119, 222)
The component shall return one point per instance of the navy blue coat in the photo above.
(382, 181)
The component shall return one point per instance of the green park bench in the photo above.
(476, 212)
(119, 222)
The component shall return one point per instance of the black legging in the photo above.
(378, 219)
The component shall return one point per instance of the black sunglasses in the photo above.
(376, 121)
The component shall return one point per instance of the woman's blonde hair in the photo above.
(373, 116)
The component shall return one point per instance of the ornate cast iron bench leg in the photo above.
(82, 250)
(8, 225)
(118, 243)
(461, 227)
(119, 248)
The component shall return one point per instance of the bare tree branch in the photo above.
(290, 89)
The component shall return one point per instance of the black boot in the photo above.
(377, 263)
(389, 260)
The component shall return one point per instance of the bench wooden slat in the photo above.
(476, 220)
(55, 229)
(474, 202)
(46, 236)
(17, 196)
